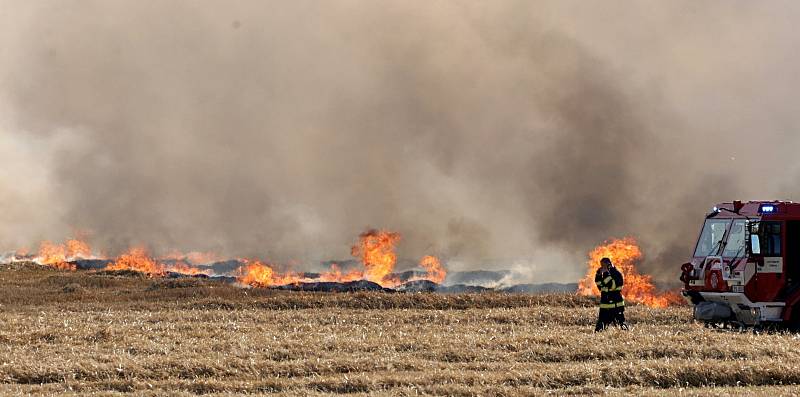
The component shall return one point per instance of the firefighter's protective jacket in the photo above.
(610, 284)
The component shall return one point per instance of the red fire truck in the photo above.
(745, 270)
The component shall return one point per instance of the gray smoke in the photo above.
(491, 134)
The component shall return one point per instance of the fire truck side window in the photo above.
(771, 241)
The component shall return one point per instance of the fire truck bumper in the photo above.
(742, 309)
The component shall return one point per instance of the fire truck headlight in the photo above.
(755, 312)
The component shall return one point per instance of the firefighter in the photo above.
(612, 305)
(615, 295)
(602, 278)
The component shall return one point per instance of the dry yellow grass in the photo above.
(81, 333)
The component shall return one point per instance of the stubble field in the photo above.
(102, 334)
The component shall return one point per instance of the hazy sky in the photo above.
(489, 133)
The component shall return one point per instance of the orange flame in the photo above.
(256, 274)
(639, 288)
(137, 259)
(259, 274)
(59, 255)
(184, 263)
(185, 268)
(335, 274)
(78, 249)
(376, 251)
(433, 268)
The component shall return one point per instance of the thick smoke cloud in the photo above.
(492, 134)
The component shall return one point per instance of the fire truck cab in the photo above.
(745, 270)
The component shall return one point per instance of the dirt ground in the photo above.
(84, 333)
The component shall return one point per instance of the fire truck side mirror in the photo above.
(755, 244)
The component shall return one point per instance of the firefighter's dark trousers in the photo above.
(604, 319)
(618, 315)
(610, 316)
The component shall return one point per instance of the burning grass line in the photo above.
(205, 338)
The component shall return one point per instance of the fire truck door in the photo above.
(792, 247)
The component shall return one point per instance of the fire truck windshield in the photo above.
(711, 237)
(734, 248)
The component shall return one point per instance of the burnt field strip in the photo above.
(102, 334)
